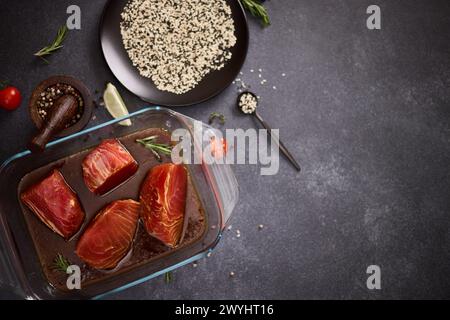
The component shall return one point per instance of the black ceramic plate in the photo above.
(128, 75)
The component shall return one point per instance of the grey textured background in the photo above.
(365, 112)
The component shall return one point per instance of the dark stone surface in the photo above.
(365, 112)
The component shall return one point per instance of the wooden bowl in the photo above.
(78, 85)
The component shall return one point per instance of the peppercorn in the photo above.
(47, 98)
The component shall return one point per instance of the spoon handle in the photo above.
(284, 150)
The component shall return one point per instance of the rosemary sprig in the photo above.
(56, 45)
(155, 148)
(217, 115)
(61, 263)
(257, 10)
(168, 277)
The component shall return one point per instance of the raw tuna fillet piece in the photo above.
(56, 204)
(163, 199)
(107, 166)
(108, 238)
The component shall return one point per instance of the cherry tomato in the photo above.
(219, 150)
(10, 98)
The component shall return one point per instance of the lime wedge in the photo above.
(115, 105)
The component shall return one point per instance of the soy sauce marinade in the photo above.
(144, 248)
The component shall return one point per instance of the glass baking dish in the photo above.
(21, 272)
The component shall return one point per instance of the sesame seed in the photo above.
(248, 104)
(232, 274)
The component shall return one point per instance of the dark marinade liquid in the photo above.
(144, 248)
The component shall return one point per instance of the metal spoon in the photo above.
(283, 149)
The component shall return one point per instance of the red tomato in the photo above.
(10, 98)
(219, 150)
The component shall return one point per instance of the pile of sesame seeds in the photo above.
(177, 43)
(248, 103)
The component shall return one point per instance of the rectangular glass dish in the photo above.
(21, 269)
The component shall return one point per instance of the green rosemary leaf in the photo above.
(61, 263)
(217, 115)
(56, 45)
(156, 148)
(168, 277)
(257, 10)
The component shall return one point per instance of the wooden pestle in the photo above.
(63, 110)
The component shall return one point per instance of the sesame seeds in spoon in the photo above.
(248, 103)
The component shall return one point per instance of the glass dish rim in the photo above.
(24, 153)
